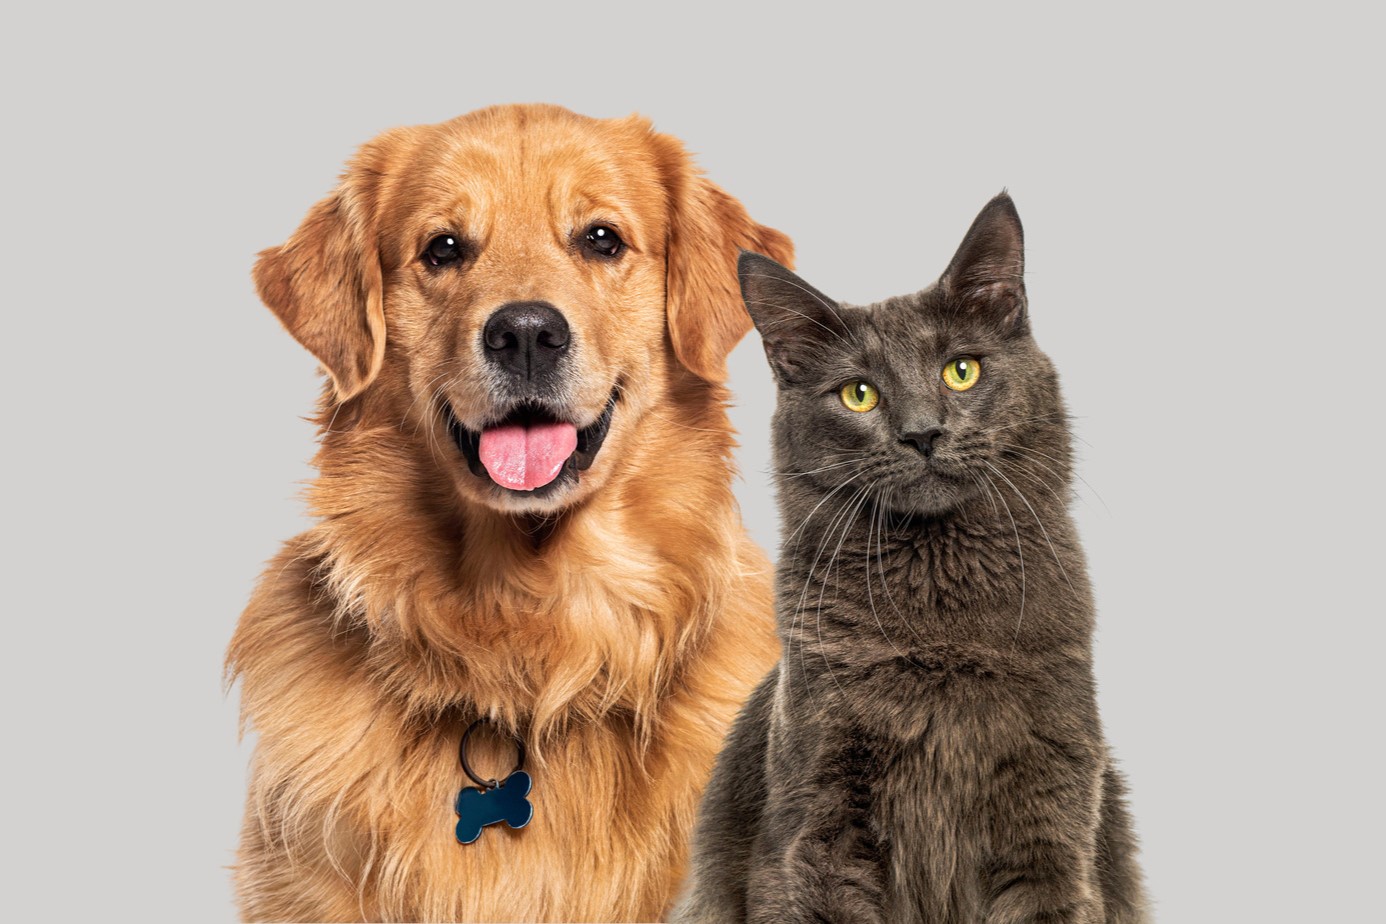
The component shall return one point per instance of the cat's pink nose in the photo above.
(923, 440)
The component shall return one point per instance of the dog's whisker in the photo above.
(419, 397)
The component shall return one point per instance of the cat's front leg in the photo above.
(817, 857)
(823, 876)
(1043, 816)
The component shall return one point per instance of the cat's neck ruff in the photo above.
(996, 572)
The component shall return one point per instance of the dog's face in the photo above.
(526, 280)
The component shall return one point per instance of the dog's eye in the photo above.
(445, 248)
(604, 241)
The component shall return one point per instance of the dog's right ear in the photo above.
(707, 229)
(324, 284)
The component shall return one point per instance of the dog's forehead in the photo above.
(554, 165)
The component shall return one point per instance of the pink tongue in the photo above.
(524, 458)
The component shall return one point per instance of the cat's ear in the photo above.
(987, 273)
(793, 317)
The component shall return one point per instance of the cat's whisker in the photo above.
(803, 600)
(873, 527)
(843, 516)
(842, 449)
(1017, 468)
(1065, 417)
(1020, 552)
(1038, 522)
(986, 491)
(1025, 420)
(880, 561)
(813, 471)
(1035, 457)
(859, 498)
(820, 504)
(788, 310)
(1056, 474)
(803, 595)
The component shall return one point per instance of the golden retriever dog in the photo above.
(523, 514)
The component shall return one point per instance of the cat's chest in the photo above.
(928, 812)
(946, 566)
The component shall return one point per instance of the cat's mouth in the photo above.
(534, 448)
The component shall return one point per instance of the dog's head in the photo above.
(520, 285)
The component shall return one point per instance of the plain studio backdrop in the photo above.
(1202, 195)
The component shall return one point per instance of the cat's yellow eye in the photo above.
(962, 373)
(860, 396)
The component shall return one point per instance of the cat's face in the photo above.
(925, 398)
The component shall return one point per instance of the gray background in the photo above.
(1201, 190)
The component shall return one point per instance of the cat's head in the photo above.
(925, 398)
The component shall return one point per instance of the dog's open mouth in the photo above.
(531, 448)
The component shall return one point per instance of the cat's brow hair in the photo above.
(779, 321)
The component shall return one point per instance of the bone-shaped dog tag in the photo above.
(477, 808)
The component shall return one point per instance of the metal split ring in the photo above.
(467, 767)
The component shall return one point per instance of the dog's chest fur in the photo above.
(351, 804)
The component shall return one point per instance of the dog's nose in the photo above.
(922, 438)
(526, 338)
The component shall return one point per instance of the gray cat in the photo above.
(929, 747)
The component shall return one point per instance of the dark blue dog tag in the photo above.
(477, 808)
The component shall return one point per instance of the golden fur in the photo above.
(617, 627)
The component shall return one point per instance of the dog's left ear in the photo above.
(324, 283)
(708, 229)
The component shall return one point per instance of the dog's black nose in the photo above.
(922, 439)
(526, 338)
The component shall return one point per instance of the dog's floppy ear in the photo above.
(708, 229)
(324, 284)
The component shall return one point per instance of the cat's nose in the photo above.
(922, 439)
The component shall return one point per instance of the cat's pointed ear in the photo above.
(793, 317)
(987, 273)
